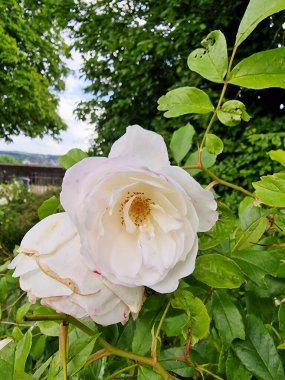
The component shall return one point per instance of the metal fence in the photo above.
(40, 178)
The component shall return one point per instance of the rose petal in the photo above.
(203, 200)
(147, 146)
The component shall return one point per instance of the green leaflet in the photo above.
(184, 100)
(256, 11)
(227, 317)
(271, 190)
(211, 61)
(71, 158)
(260, 70)
(258, 353)
(218, 271)
(181, 142)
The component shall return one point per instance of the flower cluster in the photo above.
(130, 220)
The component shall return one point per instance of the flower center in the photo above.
(139, 208)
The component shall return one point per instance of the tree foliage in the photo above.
(137, 50)
(32, 69)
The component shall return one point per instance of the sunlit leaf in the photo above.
(211, 61)
(260, 70)
(271, 190)
(232, 112)
(256, 11)
(184, 100)
(214, 144)
(181, 142)
(218, 271)
(71, 158)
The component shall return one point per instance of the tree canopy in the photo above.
(32, 69)
(137, 50)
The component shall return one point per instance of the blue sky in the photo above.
(78, 133)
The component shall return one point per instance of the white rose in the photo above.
(51, 267)
(137, 216)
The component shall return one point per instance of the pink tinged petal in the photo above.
(202, 200)
(48, 235)
(182, 269)
(147, 146)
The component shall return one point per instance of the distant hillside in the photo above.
(32, 158)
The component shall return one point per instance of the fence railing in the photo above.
(39, 177)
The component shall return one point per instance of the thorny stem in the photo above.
(113, 350)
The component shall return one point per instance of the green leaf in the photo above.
(38, 347)
(7, 359)
(207, 160)
(181, 142)
(227, 317)
(271, 190)
(49, 207)
(214, 144)
(258, 353)
(145, 373)
(71, 158)
(211, 61)
(173, 323)
(256, 11)
(198, 319)
(42, 368)
(22, 311)
(235, 370)
(181, 368)
(248, 213)
(264, 308)
(184, 100)
(232, 112)
(281, 319)
(78, 353)
(218, 271)
(22, 351)
(152, 308)
(252, 235)
(222, 229)
(3, 289)
(277, 155)
(257, 264)
(260, 70)
(49, 328)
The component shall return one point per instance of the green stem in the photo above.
(113, 350)
(155, 338)
(202, 369)
(218, 105)
(121, 371)
(228, 184)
